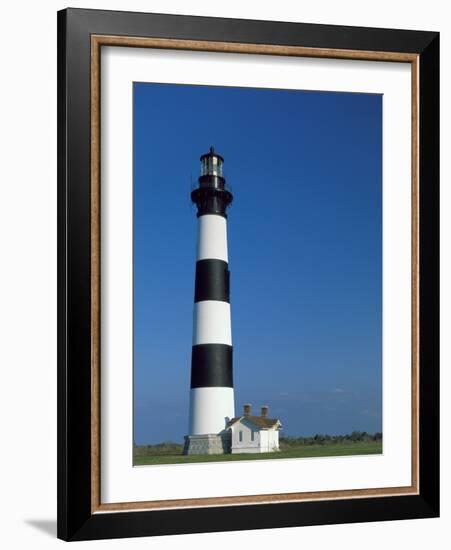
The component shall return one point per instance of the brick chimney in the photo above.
(247, 409)
(265, 410)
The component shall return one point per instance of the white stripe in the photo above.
(210, 409)
(212, 238)
(212, 323)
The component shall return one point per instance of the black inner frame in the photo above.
(75, 521)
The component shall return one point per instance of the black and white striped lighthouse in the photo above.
(211, 394)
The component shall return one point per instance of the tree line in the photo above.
(326, 439)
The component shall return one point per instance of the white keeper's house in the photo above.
(254, 434)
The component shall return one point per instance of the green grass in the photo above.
(302, 451)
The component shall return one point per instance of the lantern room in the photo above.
(211, 164)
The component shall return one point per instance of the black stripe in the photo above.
(212, 199)
(212, 281)
(211, 366)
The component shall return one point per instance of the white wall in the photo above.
(28, 274)
(264, 440)
(273, 440)
(210, 409)
(269, 441)
(240, 445)
(246, 445)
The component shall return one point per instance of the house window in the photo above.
(241, 435)
(252, 435)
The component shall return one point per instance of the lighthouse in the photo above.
(211, 392)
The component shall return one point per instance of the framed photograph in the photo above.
(248, 274)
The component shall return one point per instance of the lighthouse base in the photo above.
(208, 444)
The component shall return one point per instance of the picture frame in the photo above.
(81, 36)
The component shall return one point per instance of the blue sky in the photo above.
(305, 253)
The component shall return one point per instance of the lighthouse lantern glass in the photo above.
(211, 166)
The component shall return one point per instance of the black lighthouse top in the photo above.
(211, 197)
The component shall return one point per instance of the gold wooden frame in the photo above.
(97, 41)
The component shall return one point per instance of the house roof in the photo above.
(259, 421)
